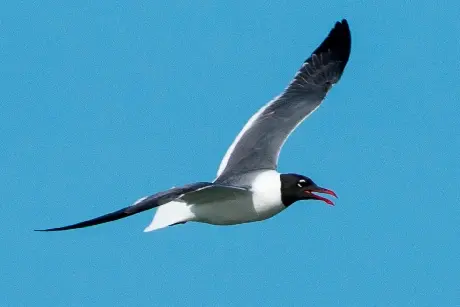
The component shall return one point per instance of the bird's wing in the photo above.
(258, 144)
(214, 193)
(142, 204)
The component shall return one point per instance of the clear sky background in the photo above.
(104, 103)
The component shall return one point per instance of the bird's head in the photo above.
(296, 187)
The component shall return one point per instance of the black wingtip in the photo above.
(338, 42)
(116, 215)
(52, 229)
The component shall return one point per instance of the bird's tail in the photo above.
(174, 212)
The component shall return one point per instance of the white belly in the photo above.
(233, 212)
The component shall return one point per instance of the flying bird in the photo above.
(248, 187)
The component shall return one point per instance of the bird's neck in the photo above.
(266, 187)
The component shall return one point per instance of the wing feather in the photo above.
(258, 144)
(141, 205)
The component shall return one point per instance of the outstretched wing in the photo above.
(141, 205)
(258, 145)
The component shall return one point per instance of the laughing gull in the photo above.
(248, 188)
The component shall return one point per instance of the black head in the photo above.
(297, 187)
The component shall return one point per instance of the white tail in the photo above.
(170, 213)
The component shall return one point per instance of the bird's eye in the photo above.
(301, 183)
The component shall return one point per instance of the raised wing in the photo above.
(258, 145)
(139, 206)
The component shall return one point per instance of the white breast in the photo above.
(266, 195)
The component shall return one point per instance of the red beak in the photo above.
(323, 191)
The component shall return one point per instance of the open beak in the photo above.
(323, 191)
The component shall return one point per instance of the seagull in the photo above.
(248, 187)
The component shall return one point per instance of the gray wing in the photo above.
(214, 193)
(260, 141)
(143, 204)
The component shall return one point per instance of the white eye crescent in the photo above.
(300, 183)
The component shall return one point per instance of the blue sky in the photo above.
(104, 103)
